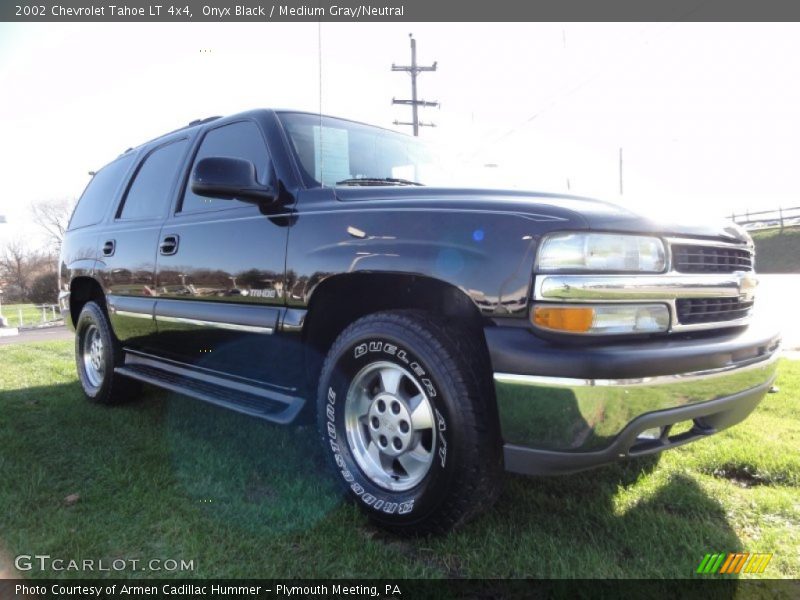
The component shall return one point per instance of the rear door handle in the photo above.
(108, 248)
(169, 245)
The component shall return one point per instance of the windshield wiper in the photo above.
(377, 181)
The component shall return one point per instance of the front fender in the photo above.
(488, 255)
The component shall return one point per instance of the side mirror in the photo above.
(229, 179)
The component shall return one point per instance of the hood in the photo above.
(596, 215)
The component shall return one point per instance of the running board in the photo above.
(248, 399)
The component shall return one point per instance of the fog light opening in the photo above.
(654, 433)
(681, 428)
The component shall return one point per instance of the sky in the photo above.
(706, 115)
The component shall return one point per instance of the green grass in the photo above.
(30, 314)
(776, 251)
(169, 477)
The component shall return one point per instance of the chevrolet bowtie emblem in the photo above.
(747, 285)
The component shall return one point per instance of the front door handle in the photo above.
(169, 245)
(108, 248)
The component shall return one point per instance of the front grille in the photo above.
(711, 310)
(688, 258)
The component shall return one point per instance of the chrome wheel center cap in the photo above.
(390, 424)
(389, 421)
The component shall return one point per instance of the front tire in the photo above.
(97, 354)
(407, 422)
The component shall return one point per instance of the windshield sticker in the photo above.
(404, 172)
(331, 154)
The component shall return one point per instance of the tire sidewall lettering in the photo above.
(349, 362)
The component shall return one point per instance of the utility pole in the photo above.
(414, 70)
(620, 171)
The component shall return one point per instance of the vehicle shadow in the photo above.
(625, 520)
(267, 479)
(135, 464)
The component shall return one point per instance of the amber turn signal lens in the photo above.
(558, 318)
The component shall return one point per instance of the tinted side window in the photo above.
(100, 192)
(149, 194)
(238, 140)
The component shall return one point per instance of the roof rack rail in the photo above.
(192, 124)
(201, 121)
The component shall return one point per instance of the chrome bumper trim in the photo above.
(658, 380)
(585, 415)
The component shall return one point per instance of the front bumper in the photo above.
(568, 408)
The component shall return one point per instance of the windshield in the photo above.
(338, 152)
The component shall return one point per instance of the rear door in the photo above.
(220, 271)
(129, 243)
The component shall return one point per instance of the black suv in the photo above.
(284, 264)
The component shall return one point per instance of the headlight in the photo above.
(608, 319)
(601, 252)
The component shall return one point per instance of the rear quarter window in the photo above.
(100, 193)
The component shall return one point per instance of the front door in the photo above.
(220, 273)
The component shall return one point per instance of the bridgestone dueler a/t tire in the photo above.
(113, 388)
(464, 476)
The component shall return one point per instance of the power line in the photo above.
(414, 69)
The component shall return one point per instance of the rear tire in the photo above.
(406, 421)
(97, 354)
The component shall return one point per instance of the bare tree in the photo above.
(53, 217)
(21, 267)
(15, 269)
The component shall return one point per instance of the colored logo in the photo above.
(733, 562)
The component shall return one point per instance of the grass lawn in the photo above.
(170, 477)
(30, 314)
(776, 251)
